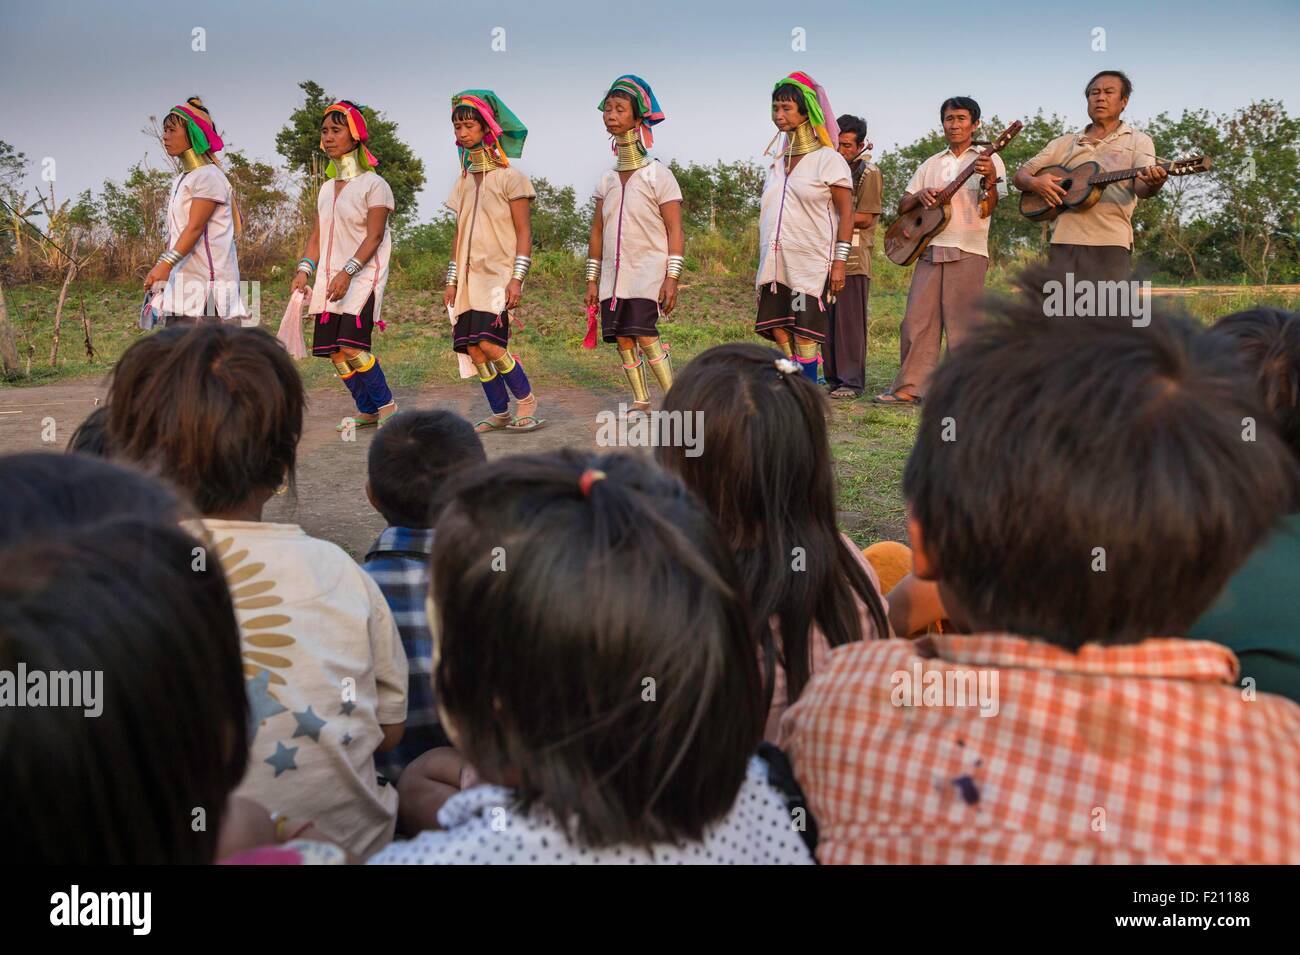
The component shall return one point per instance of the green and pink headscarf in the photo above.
(817, 104)
(198, 123)
(357, 127)
(639, 90)
(504, 130)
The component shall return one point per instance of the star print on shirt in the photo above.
(348, 707)
(309, 724)
(260, 702)
(282, 759)
(347, 738)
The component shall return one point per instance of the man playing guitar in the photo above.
(1096, 244)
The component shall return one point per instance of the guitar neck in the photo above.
(950, 190)
(1119, 175)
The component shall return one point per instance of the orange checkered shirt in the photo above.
(1144, 753)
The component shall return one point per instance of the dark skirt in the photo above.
(777, 310)
(633, 318)
(473, 327)
(340, 330)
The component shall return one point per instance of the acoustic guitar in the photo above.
(1084, 184)
(909, 234)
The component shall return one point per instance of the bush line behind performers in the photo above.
(352, 212)
(199, 271)
(805, 222)
(635, 253)
(493, 249)
(948, 280)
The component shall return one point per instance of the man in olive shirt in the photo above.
(1097, 244)
(845, 352)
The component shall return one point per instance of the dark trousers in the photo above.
(1090, 263)
(844, 356)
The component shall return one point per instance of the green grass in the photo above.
(870, 442)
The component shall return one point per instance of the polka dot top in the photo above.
(481, 828)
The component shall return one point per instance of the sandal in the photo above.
(533, 424)
(845, 393)
(384, 417)
(889, 398)
(493, 423)
(356, 424)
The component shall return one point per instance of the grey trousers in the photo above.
(944, 300)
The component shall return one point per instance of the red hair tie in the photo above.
(589, 477)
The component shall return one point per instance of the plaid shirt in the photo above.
(399, 563)
(1145, 753)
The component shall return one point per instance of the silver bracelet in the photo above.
(522, 264)
(171, 257)
(842, 250)
(593, 270)
(675, 265)
(352, 266)
(308, 266)
(451, 272)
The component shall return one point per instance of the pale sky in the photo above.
(79, 79)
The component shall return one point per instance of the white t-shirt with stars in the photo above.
(481, 828)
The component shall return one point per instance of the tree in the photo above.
(299, 143)
(558, 225)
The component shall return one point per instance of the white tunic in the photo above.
(807, 220)
(634, 239)
(342, 219)
(211, 269)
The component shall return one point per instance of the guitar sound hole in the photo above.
(1067, 184)
(918, 220)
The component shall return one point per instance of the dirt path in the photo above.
(331, 500)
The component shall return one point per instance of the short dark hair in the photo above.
(768, 478)
(46, 493)
(624, 94)
(789, 93)
(465, 111)
(1125, 84)
(339, 119)
(545, 661)
(91, 436)
(1267, 340)
(215, 408)
(848, 123)
(412, 456)
(1044, 439)
(122, 599)
(961, 102)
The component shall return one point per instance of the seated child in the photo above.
(218, 411)
(767, 476)
(1080, 492)
(1258, 614)
(134, 760)
(408, 462)
(592, 662)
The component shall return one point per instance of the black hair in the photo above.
(123, 600)
(464, 111)
(216, 409)
(592, 648)
(1267, 340)
(789, 93)
(1125, 84)
(856, 125)
(91, 436)
(334, 116)
(52, 492)
(411, 458)
(624, 94)
(961, 102)
(1085, 480)
(767, 476)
